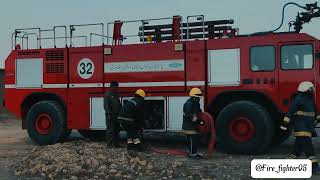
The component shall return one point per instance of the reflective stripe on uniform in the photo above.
(303, 113)
(136, 141)
(134, 103)
(313, 159)
(283, 128)
(302, 133)
(129, 141)
(286, 119)
(126, 119)
(189, 132)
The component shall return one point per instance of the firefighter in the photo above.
(112, 106)
(131, 119)
(302, 115)
(191, 109)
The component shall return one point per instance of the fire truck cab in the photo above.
(247, 80)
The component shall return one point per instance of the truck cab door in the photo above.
(296, 61)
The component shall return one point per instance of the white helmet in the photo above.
(305, 86)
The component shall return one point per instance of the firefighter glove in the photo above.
(195, 118)
(200, 122)
(283, 128)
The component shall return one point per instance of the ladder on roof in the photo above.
(199, 29)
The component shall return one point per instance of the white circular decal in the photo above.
(85, 68)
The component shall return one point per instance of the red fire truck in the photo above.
(247, 80)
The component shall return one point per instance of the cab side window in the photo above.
(262, 58)
(295, 57)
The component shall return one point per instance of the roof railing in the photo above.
(72, 29)
(65, 35)
(94, 34)
(26, 36)
(148, 31)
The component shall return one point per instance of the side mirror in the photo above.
(317, 55)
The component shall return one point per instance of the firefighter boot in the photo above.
(195, 156)
(138, 145)
(130, 148)
(199, 155)
(109, 139)
(116, 142)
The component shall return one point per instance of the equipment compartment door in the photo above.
(29, 73)
(97, 115)
(85, 81)
(296, 61)
(86, 67)
(224, 67)
(195, 64)
(154, 113)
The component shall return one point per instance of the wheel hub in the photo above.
(241, 129)
(43, 124)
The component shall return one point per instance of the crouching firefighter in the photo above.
(191, 109)
(302, 115)
(130, 118)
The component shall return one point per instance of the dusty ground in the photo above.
(81, 159)
(13, 144)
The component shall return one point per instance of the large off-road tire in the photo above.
(46, 122)
(94, 135)
(244, 127)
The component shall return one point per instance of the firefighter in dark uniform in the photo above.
(191, 109)
(302, 115)
(131, 119)
(112, 106)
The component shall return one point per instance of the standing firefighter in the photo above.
(131, 117)
(302, 115)
(191, 109)
(112, 108)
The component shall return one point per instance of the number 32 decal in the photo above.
(85, 68)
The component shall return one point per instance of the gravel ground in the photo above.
(81, 159)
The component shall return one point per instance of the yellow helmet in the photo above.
(195, 92)
(140, 92)
(305, 86)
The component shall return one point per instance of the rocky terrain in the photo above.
(79, 158)
(82, 159)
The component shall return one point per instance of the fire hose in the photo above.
(207, 128)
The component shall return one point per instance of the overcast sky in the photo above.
(249, 15)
